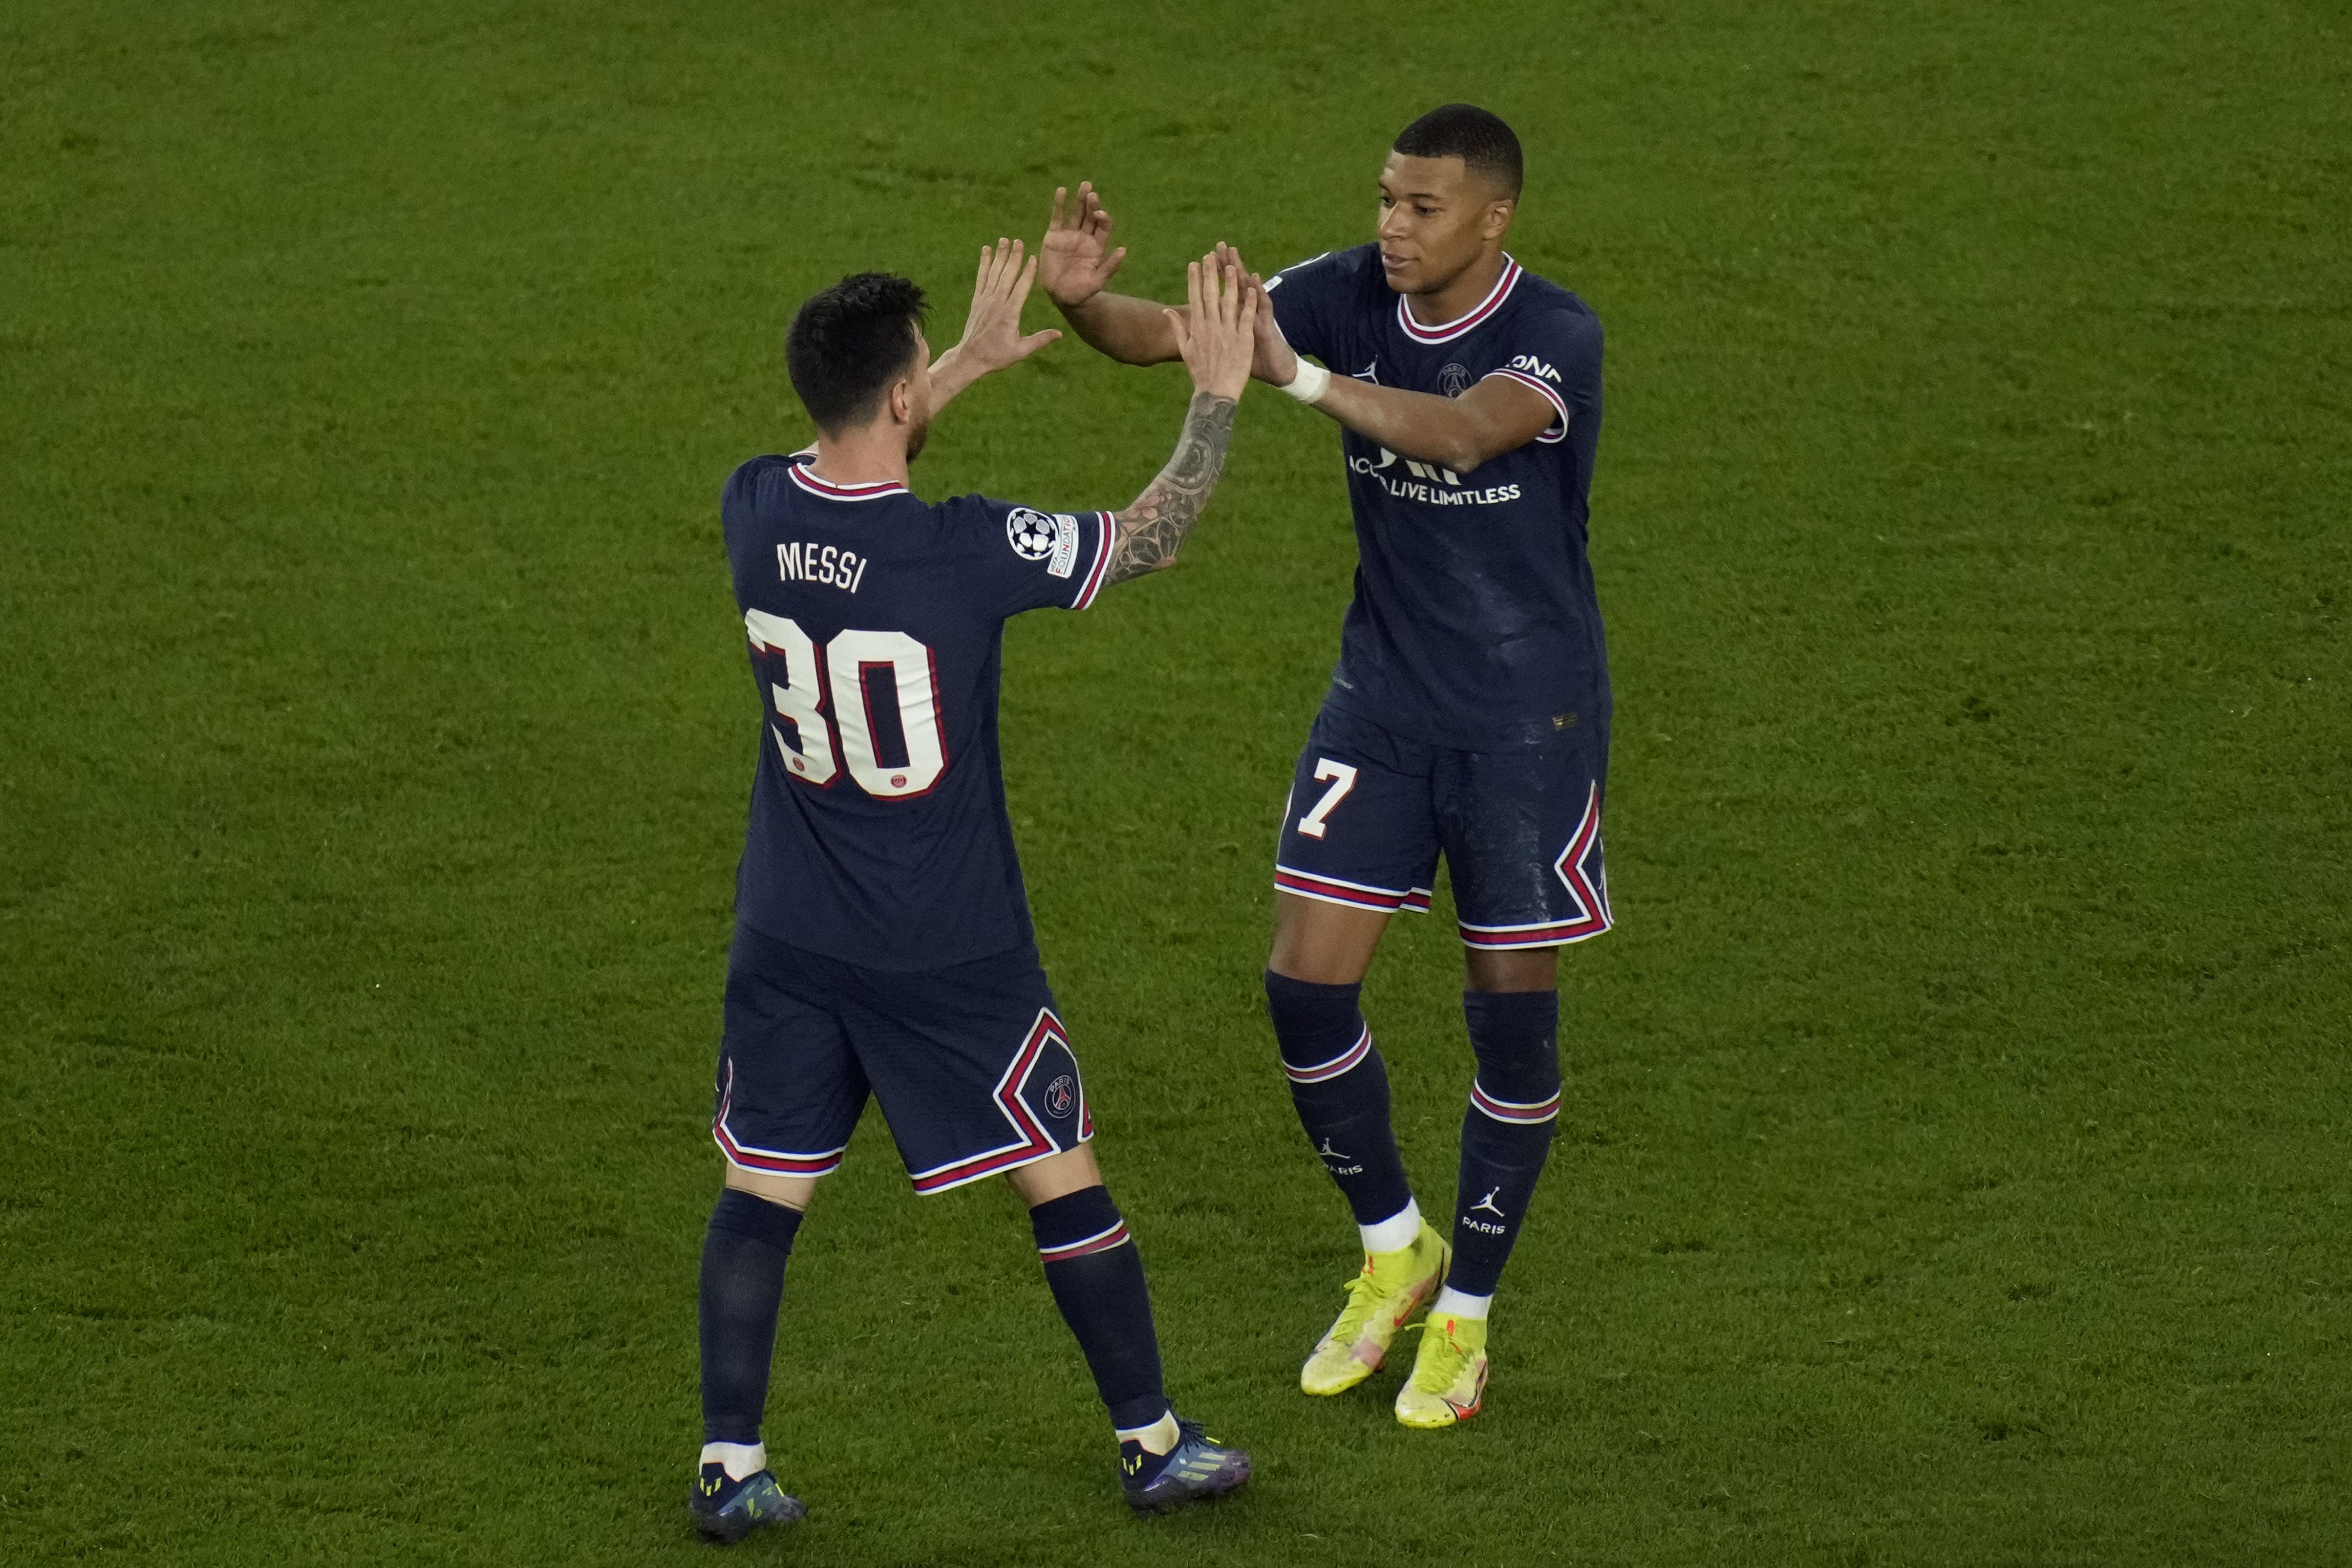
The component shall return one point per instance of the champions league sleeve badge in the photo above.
(1035, 535)
(1030, 532)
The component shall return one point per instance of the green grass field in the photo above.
(1953, 1168)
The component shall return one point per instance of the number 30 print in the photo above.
(839, 672)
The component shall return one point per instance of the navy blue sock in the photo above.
(743, 1255)
(1340, 1087)
(1097, 1277)
(1507, 1132)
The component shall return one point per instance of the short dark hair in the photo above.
(1463, 130)
(848, 344)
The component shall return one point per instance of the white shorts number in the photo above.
(811, 755)
(801, 700)
(849, 657)
(1312, 824)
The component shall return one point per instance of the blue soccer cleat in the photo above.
(726, 1510)
(1197, 1467)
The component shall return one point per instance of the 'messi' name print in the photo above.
(828, 565)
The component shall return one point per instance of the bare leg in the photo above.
(1515, 969)
(792, 1192)
(1056, 1176)
(1326, 945)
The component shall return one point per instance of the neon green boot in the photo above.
(1449, 1375)
(1392, 1289)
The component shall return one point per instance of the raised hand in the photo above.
(1216, 333)
(1075, 259)
(992, 333)
(1275, 361)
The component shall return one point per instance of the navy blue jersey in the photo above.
(876, 626)
(1475, 624)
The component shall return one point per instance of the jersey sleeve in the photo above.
(1311, 304)
(739, 507)
(1558, 353)
(1025, 558)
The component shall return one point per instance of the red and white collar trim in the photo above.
(1445, 333)
(872, 490)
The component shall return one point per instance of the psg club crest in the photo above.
(1454, 380)
(1031, 533)
(1044, 1098)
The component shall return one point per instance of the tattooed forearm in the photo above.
(1152, 530)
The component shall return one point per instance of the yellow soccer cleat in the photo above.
(1449, 1375)
(1392, 1289)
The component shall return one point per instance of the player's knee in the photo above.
(761, 1219)
(1516, 1037)
(1314, 1026)
(1056, 1176)
(1084, 1215)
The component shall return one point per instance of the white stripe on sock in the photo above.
(1396, 1231)
(742, 1460)
(1160, 1438)
(1455, 1304)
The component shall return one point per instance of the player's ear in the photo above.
(902, 400)
(1500, 213)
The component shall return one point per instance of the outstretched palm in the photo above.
(992, 333)
(1076, 260)
(1217, 333)
(1275, 362)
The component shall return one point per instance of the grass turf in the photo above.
(1951, 1169)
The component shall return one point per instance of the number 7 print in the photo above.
(1312, 824)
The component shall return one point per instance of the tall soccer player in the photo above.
(1468, 716)
(882, 945)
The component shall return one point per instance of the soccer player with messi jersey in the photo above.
(882, 945)
(1468, 716)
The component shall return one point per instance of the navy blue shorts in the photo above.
(1371, 811)
(972, 1067)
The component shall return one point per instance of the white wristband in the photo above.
(1311, 381)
